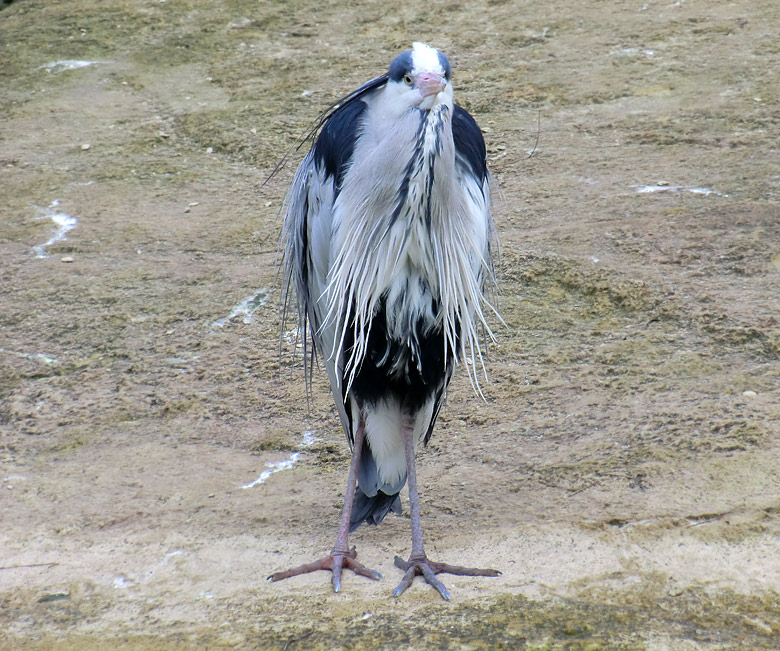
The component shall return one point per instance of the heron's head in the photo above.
(420, 78)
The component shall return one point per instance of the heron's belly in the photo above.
(409, 362)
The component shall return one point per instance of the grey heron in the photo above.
(388, 248)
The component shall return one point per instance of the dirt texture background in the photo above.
(623, 470)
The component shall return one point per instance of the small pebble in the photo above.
(749, 394)
(85, 146)
(67, 258)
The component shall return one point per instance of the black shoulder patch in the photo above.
(469, 143)
(335, 144)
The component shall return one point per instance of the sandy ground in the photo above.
(156, 455)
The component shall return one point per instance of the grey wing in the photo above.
(308, 226)
(473, 175)
(307, 229)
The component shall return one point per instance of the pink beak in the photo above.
(429, 83)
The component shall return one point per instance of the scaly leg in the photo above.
(418, 562)
(341, 556)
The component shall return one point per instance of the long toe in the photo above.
(430, 577)
(444, 568)
(337, 565)
(324, 563)
(406, 581)
(362, 570)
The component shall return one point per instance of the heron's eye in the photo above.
(408, 80)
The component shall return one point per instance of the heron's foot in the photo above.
(334, 562)
(429, 570)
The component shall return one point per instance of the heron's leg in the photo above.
(341, 556)
(418, 562)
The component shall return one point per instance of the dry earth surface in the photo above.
(623, 469)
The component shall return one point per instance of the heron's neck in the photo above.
(426, 181)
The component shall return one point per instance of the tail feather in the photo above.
(372, 509)
(374, 497)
